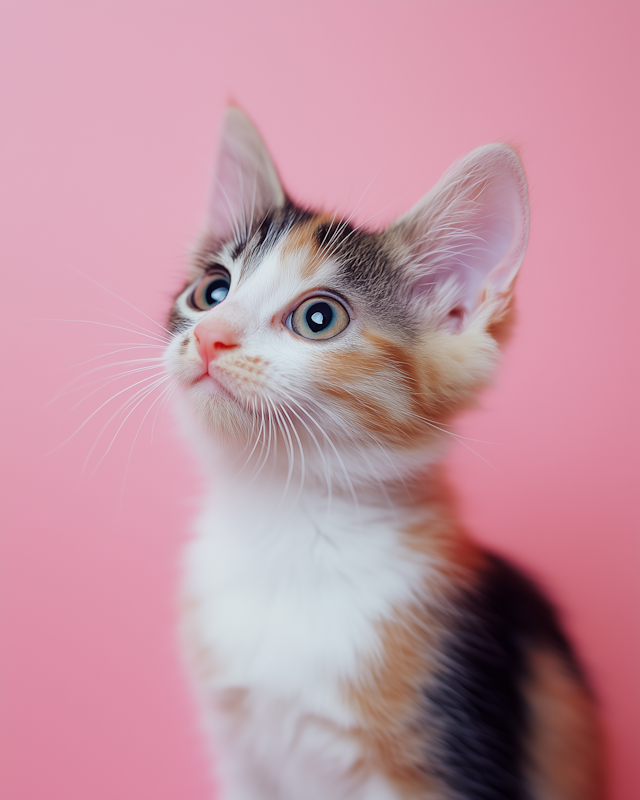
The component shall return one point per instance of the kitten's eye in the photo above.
(319, 318)
(211, 290)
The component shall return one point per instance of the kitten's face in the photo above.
(301, 333)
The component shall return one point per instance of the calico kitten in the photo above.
(347, 639)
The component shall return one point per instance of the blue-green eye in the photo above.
(319, 318)
(211, 290)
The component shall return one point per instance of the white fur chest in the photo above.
(285, 609)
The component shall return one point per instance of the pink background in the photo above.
(110, 112)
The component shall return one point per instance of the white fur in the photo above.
(289, 612)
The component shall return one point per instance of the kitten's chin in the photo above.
(214, 407)
(212, 387)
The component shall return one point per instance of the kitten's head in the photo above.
(300, 333)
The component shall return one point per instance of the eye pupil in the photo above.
(217, 291)
(319, 316)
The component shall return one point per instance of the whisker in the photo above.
(131, 344)
(139, 328)
(115, 352)
(110, 291)
(289, 447)
(134, 402)
(102, 383)
(257, 440)
(337, 455)
(161, 407)
(109, 325)
(327, 470)
(429, 422)
(100, 407)
(63, 392)
(266, 447)
(171, 386)
(302, 460)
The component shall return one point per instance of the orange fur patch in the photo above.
(402, 394)
(566, 747)
(303, 239)
(389, 695)
(502, 324)
(387, 699)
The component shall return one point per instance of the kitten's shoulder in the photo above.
(509, 705)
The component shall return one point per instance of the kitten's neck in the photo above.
(273, 492)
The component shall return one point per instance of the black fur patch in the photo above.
(476, 705)
(369, 271)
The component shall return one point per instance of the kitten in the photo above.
(347, 639)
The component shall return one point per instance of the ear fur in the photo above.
(462, 244)
(245, 185)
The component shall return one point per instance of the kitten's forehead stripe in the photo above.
(304, 239)
(268, 232)
(237, 249)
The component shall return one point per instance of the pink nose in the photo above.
(213, 338)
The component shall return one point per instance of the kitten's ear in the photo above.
(246, 185)
(463, 243)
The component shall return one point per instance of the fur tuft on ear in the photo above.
(245, 185)
(462, 244)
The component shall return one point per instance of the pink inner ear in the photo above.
(228, 209)
(469, 234)
(485, 255)
(246, 184)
